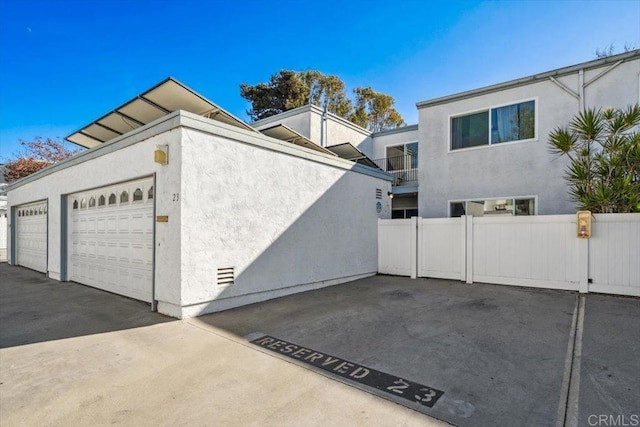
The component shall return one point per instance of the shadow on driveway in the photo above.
(36, 309)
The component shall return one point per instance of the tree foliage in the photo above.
(36, 155)
(603, 147)
(287, 90)
(374, 110)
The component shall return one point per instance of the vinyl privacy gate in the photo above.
(533, 251)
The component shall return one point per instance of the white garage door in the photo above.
(111, 238)
(31, 238)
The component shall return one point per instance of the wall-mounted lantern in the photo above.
(584, 224)
(161, 155)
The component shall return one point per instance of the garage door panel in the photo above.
(113, 244)
(31, 238)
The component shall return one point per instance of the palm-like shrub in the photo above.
(604, 151)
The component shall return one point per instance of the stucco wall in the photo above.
(338, 131)
(511, 169)
(395, 137)
(283, 222)
(123, 164)
(307, 121)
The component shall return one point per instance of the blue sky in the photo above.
(64, 63)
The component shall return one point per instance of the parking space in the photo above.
(498, 353)
(610, 362)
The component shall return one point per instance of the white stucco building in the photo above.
(180, 204)
(485, 151)
(196, 211)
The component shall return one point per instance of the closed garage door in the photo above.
(31, 236)
(111, 238)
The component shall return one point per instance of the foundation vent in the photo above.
(378, 193)
(226, 276)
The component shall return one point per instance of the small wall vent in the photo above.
(378, 193)
(226, 276)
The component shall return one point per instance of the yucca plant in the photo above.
(604, 151)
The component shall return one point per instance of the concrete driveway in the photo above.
(466, 354)
(75, 356)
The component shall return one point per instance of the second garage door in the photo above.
(31, 247)
(111, 238)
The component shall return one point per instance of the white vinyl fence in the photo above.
(441, 248)
(614, 254)
(397, 247)
(534, 251)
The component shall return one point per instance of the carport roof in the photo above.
(164, 98)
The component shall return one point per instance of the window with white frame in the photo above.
(492, 207)
(508, 123)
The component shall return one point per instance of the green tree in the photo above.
(288, 89)
(603, 147)
(325, 92)
(36, 155)
(284, 91)
(374, 110)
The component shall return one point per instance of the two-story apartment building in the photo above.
(486, 152)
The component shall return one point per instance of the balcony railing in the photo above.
(403, 168)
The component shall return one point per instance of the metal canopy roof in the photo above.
(349, 152)
(162, 99)
(285, 133)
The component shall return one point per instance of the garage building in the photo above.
(179, 204)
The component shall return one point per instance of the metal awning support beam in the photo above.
(565, 88)
(123, 115)
(602, 73)
(90, 136)
(108, 128)
(153, 104)
(211, 113)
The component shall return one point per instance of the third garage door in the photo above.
(111, 238)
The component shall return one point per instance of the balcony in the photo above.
(403, 168)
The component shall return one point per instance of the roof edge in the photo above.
(401, 129)
(310, 108)
(185, 119)
(535, 78)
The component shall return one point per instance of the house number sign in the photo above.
(396, 386)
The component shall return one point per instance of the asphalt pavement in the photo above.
(377, 351)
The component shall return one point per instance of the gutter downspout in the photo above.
(323, 124)
(581, 89)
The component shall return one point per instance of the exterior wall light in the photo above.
(161, 155)
(390, 194)
(584, 224)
